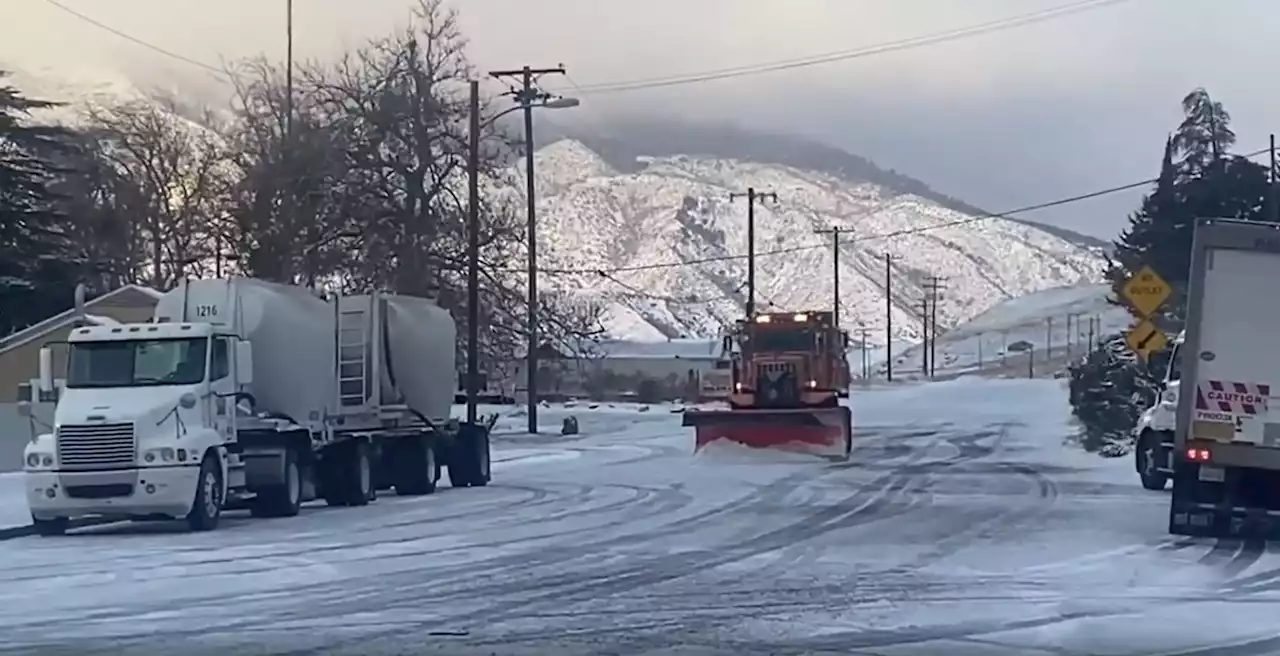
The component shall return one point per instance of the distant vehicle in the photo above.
(717, 384)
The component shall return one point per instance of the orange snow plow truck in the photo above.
(789, 373)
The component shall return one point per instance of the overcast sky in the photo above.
(1000, 120)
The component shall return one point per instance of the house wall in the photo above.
(22, 363)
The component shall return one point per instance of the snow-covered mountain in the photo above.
(658, 244)
(662, 228)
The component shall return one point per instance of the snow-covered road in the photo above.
(963, 525)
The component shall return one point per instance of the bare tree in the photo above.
(173, 173)
(291, 215)
(402, 103)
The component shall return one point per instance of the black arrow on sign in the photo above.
(1142, 344)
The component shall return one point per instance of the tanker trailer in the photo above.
(232, 397)
(403, 380)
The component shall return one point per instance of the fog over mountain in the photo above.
(968, 117)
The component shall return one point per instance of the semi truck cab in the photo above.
(1154, 433)
(143, 406)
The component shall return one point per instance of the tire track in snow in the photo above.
(665, 569)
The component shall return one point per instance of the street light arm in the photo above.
(554, 103)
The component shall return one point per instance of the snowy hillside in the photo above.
(677, 211)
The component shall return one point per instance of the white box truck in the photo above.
(249, 394)
(1226, 465)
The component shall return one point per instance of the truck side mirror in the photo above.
(46, 370)
(726, 344)
(845, 339)
(244, 363)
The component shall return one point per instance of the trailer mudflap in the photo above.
(825, 432)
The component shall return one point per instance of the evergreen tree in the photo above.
(35, 278)
(1205, 134)
(1108, 389)
(1198, 178)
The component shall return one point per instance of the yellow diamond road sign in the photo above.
(1145, 339)
(1146, 291)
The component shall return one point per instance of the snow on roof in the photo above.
(99, 320)
(38, 330)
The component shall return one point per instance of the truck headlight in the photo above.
(1169, 398)
(36, 460)
(162, 455)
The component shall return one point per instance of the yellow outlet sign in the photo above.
(1146, 291)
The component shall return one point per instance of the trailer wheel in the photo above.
(359, 488)
(469, 464)
(284, 500)
(417, 470)
(206, 510)
(50, 527)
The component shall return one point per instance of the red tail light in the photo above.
(1198, 455)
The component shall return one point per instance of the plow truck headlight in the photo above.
(160, 456)
(39, 461)
(813, 383)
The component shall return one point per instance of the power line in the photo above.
(1008, 214)
(139, 42)
(954, 34)
(945, 36)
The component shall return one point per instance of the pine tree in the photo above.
(1205, 134)
(34, 274)
(1198, 178)
(1108, 389)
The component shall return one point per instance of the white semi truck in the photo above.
(248, 394)
(1226, 458)
(1154, 434)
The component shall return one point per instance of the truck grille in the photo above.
(96, 446)
(777, 384)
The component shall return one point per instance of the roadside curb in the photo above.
(15, 532)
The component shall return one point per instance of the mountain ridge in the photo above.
(661, 244)
(621, 142)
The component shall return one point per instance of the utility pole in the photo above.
(888, 316)
(528, 96)
(924, 329)
(1273, 209)
(834, 231)
(286, 152)
(865, 363)
(752, 196)
(1048, 338)
(933, 284)
(473, 256)
(288, 68)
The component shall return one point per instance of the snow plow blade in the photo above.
(826, 432)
